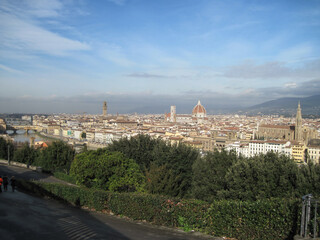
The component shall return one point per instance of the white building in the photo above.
(314, 153)
(100, 137)
(260, 147)
(77, 134)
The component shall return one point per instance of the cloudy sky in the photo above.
(143, 56)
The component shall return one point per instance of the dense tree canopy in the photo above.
(107, 170)
(26, 154)
(310, 179)
(168, 167)
(263, 176)
(56, 157)
(4, 149)
(139, 148)
(209, 174)
(153, 165)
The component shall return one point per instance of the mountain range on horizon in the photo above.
(281, 106)
(287, 106)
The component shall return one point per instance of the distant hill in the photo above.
(287, 106)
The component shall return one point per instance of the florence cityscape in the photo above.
(164, 119)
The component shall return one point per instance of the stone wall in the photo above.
(18, 164)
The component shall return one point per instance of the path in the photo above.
(30, 218)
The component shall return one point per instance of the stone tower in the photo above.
(173, 114)
(104, 109)
(298, 128)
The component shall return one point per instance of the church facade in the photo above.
(296, 132)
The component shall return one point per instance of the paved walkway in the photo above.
(27, 217)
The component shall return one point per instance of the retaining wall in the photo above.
(18, 164)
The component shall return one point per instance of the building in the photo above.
(298, 127)
(3, 126)
(199, 113)
(314, 154)
(104, 109)
(173, 115)
(299, 152)
(281, 132)
(263, 147)
(296, 132)
(314, 151)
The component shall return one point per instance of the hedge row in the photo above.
(264, 219)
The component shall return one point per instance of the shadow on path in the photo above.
(26, 174)
(27, 217)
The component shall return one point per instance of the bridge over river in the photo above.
(23, 128)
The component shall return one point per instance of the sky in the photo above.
(68, 56)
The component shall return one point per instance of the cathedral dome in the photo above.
(199, 110)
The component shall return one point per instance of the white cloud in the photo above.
(290, 85)
(27, 36)
(145, 75)
(272, 70)
(44, 8)
(148, 102)
(8, 69)
(114, 54)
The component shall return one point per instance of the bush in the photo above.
(65, 177)
(56, 157)
(262, 219)
(174, 163)
(26, 154)
(107, 171)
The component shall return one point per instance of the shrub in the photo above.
(65, 177)
(262, 219)
(106, 170)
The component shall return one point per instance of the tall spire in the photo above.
(104, 109)
(298, 129)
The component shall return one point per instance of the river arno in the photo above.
(23, 137)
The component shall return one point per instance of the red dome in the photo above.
(198, 109)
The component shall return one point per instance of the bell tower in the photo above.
(104, 109)
(298, 128)
(173, 114)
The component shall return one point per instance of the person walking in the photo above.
(1, 180)
(13, 183)
(5, 183)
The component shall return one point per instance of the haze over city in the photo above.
(143, 56)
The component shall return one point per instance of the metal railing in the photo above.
(309, 211)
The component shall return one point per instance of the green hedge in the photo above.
(263, 219)
(65, 177)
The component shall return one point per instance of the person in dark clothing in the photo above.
(13, 183)
(5, 183)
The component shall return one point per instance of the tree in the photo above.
(83, 135)
(173, 160)
(309, 175)
(263, 176)
(26, 154)
(4, 149)
(56, 157)
(209, 174)
(161, 180)
(179, 159)
(138, 148)
(107, 170)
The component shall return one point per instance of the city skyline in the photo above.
(70, 56)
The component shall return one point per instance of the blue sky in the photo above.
(143, 55)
